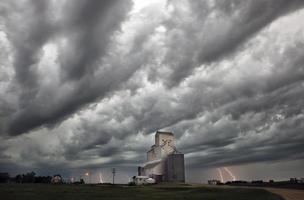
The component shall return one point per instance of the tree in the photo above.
(4, 177)
(18, 178)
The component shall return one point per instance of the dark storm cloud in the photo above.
(278, 147)
(27, 31)
(234, 23)
(252, 106)
(88, 27)
(264, 128)
(248, 18)
(87, 138)
(107, 90)
(28, 42)
(3, 148)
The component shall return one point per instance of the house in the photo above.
(214, 182)
(56, 179)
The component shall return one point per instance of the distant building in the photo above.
(214, 182)
(293, 180)
(164, 162)
(56, 179)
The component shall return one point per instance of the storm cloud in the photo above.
(85, 84)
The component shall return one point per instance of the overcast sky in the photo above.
(84, 85)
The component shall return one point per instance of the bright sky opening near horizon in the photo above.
(84, 86)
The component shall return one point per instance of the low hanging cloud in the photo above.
(84, 84)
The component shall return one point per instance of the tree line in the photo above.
(29, 177)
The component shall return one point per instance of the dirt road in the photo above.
(288, 194)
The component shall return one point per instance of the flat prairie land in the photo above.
(117, 192)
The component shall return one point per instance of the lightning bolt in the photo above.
(100, 178)
(230, 173)
(221, 174)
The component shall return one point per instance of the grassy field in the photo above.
(92, 192)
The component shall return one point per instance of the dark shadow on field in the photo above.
(92, 192)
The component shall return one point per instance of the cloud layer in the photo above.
(86, 84)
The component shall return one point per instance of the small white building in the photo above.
(143, 180)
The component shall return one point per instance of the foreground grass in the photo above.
(83, 192)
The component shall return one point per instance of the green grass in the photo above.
(83, 192)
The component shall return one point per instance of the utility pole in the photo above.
(113, 172)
